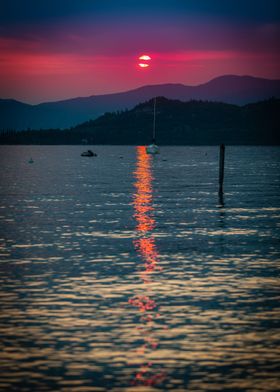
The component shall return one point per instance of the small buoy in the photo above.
(30, 160)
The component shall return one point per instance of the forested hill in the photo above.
(177, 123)
(232, 89)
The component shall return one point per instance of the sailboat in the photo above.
(153, 148)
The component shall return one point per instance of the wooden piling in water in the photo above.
(221, 168)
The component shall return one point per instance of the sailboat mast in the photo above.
(153, 148)
(154, 125)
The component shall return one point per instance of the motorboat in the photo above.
(88, 153)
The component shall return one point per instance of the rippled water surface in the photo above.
(127, 272)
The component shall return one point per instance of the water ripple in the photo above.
(130, 275)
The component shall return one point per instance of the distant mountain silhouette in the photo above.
(178, 123)
(232, 89)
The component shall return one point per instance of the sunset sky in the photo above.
(57, 49)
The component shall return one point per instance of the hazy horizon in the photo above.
(132, 89)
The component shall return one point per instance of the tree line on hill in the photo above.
(177, 123)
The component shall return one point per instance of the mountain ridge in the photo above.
(233, 89)
(178, 123)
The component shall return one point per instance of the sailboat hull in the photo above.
(152, 149)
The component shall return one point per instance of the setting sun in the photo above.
(145, 61)
(142, 65)
(145, 57)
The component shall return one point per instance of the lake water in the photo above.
(127, 272)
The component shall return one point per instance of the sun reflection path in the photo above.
(145, 245)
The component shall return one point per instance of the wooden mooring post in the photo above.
(221, 169)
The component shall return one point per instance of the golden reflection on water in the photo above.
(146, 247)
(143, 207)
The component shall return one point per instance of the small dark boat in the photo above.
(88, 153)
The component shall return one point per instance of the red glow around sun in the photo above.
(142, 65)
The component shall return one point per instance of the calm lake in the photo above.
(127, 272)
